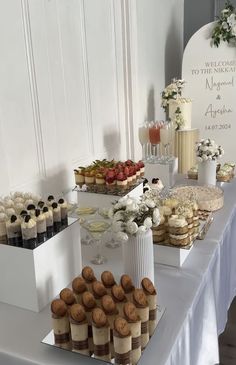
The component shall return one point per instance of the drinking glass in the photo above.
(166, 137)
(97, 229)
(143, 135)
(154, 137)
(84, 213)
(111, 242)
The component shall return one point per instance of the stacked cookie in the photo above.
(105, 319)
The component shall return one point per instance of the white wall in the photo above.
(76, 79)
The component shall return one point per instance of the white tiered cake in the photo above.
(183, 107)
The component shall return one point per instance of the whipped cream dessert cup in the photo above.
(109, 307)
(60, 324)
(29, 232)
(14, 235)
(141, 303)
(151, 295)
(79, 329)
(64, 212)
(128, 286)
(131, 316)
(101, 335)
(89, 303)
(48, 214)
(57, 225)
(122, 341)
(41, 226)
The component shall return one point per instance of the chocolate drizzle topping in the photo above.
(40, 204)
(50, 197)
(31, 207)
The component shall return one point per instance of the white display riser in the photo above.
(166, 173)
(171, 256)
(87, 199)
(30, 279)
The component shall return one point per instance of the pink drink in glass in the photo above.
(154, 135)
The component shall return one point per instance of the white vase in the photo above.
(138, 257)
(207, 172)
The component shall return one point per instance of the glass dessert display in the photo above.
(154, 138)
(92, 321)
(143, 135)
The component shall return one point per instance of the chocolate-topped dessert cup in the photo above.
(122, 341)
(3, 228)
(67, 296)
(101, 335)
(98, 290)
(79, 329)
(108, 280)
(14, 234)
(141, 303)
(119, 297)
(88, 276)
(64, 211)
(60, 324)
(41, 204)
(89, 303)
(151, 295)
(132, 317)
(29, 232)
(49, 221)
(41, 226)
(79, 287)
(56, 217)
(50, 200)
(128, 286)
(31, 210)
(109, 307)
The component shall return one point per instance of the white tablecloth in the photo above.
(196, 296)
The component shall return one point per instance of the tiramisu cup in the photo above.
(131, 316)
(119, 297)
(151, 295)
(108, 280)
(60, 323)
(79, 287)
(141, 303)
(67, 296)
(101, 335)
(109, 307)
(128, 286)
(89, 303)
(41, 226)
(64, 211)
(49, 221)
(122, 341)
(56, 217)
(3, 228)
(89, 277)
(14, 235)
(98, 290)
(29, 232)
(79, 329)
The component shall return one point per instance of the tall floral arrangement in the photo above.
(225, 29)
(132, 216)
(172, 91)
(207, 149)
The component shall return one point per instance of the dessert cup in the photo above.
(98, 290)
(88, 276)
(60, 323)
(128, 286)
(101, 335)
(67, 296)
(79, 287)
(119, 297)
(64, 212)
(49, 221)
(131, 316)
(14, 234)
(109, 307)
(89, 303)
(29, 232)
(56, 217)
(151, 295)
(141, 303)
(41, 226)
(108, 280)
(122, 341)
(79, 329)
(3, 229)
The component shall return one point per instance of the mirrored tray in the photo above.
(49, 339)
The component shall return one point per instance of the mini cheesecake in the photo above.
(79, 287)
(108, 280)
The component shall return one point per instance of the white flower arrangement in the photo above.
(179, 120)
(132, 216)
(172, 91)
(207, 149)
(225, 29)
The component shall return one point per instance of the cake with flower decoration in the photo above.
(178, 231)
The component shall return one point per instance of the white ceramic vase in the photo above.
(138, 257)
(207, 172)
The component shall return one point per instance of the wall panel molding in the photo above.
(33, 88)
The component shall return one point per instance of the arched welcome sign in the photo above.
(210, 75)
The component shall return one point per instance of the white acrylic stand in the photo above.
(171, 256)
(166, 173)
(30, 279)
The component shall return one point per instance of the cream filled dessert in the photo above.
(88, 276)
(28, 202)
(151, 295)
(10, 211)
(41, 226)
(133, 319)
(79, 287)
(50, 200)
(3, 229)
(29, 232)
(67, 296)
(178, 231)
(159, 232)
(14, 235)
(156, 184)
(127, 285)
(98, 290)
(109, 307)
(122, 341)
(101, 335)
(64, 211)
(108, 280)
(60, 323)
(79, 329)
(141, 303)
(31, 209)
(89, 303)
(41, 204)
(49, 221)
(56, 217)
(119, 297)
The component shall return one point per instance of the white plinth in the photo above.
(167, 173)
(171, 256)
(87, 199)
(30, 279)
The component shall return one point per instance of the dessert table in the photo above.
(196, 296)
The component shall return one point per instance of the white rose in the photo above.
(111, 213)
(231, 20)
(156, 217)
(118, 216)
(131, 227)
(233, 30)
(147, 222)
(121, 236)
(199, 159)
(117, 226)
(150, 203)
(142, 229)
(132, 207)
(204, 157)
(225, 25)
